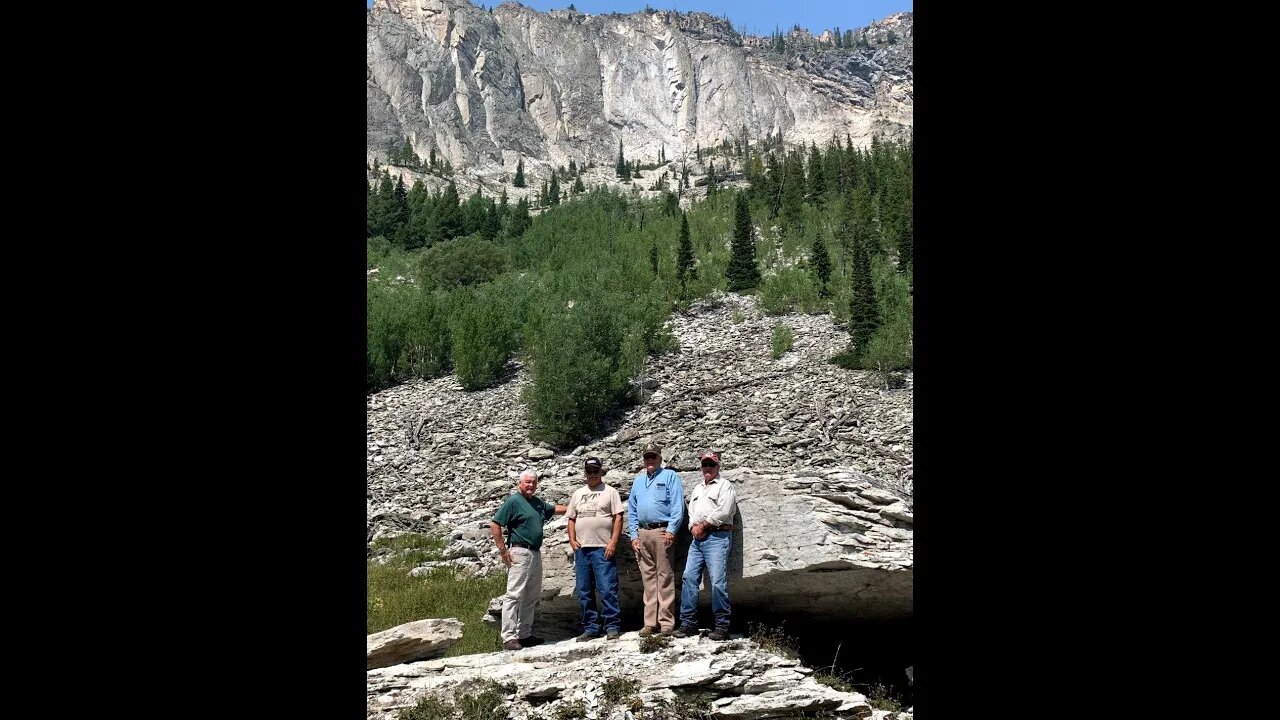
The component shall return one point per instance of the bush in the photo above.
(484, 335)
(461, 262)
(791, 289)
(781, 341)
(889, 350)
(578, 375)
(407, 335)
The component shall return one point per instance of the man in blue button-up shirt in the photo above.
(655, 510)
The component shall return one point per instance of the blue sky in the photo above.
(759, 17)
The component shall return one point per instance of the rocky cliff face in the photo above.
(486, 89)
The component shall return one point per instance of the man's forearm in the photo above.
(617, 528)
(496, 530)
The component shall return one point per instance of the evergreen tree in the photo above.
(433, 157)
(711, 178)
(653, 256)
(620, 169)
(822, 263)
(520, 219)
(448, 220)
(906, 251)
(573, 169)
(684, 256)
(402, 200)
(543, 200)
(519, 181)
(864, 313)
(817, 176)
(578, 186)
(553, 193)
(793, 189)
(742, 272)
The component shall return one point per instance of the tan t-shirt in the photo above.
(592, 512)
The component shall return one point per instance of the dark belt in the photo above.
(725, 527)
(653, 526)
(526, 546)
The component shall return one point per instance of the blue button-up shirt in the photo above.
(654, 500)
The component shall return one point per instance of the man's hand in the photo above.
(635, 544)
(700, 531)
(610, 549)
(573, 543)
(667, 539)
(506, 557)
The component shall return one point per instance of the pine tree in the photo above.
(906, 250)
(864, 313)
(519, 181)
(711, 178)
(822, 263)
(684, 256)
(433, 157)
(620, 169)
(653, 256)
(578, 186)
(448, 218)
(543, 200)
(553, 193)
(742, 272)
(817, 176)
(402, 200)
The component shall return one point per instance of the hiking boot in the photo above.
(586, 636)
(530, 641)
(611, 633)
(667, 633)
(646, 631)
(720, 633)
(686, 631)
(511, 645)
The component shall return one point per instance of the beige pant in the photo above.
(524, 590)
(658, 580)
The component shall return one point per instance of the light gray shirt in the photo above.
(713, 503)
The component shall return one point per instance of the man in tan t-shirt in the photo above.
(595, 523)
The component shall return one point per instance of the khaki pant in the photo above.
(524, 590)
(658, 580)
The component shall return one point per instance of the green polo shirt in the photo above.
(524, 518)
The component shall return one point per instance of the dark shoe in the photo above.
(686, 631)
(586, 636)
(531, 641)
(611, 633)
(720, 633)
(511, 645)
(667, 633)
(646, 631)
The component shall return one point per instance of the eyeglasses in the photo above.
(651, 455)
(709, 464)
(594, 472)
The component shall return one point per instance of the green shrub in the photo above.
(577, 376)
(781, 341)
(484, 334)
(461, 262)
(407, 334)
(790, 289)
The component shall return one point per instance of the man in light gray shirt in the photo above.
(711, 510)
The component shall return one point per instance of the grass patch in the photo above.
(881, 697)
(781, 341)
(774, 639)
(834, 681)
(617, 689)
(654, 643)
(410, 541)
(393, 597)
(483, 703)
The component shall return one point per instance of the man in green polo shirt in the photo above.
(522, 515)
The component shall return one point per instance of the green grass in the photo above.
(393, 597)
(409, 541)
(774, 639)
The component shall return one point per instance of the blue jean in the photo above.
(712, 553)
(592, 571)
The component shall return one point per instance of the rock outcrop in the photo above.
(736, 680)
(487, 89)
(417, 640)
